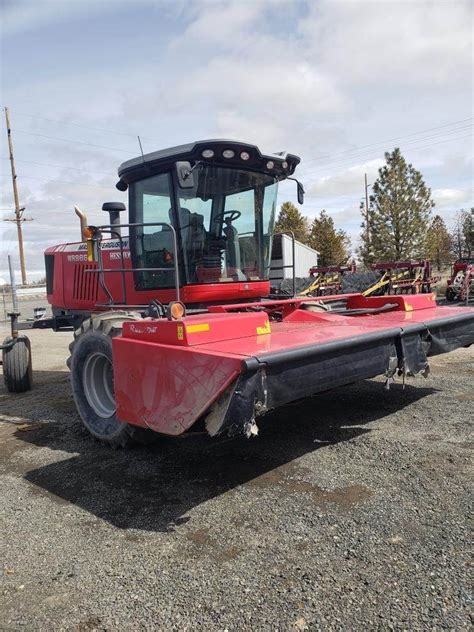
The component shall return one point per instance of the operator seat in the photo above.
(232, 248)
(157, 248)
(193, 237)
(157, 241)
(184, 227)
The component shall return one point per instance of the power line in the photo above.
(388, 140)
(45, 164)
(309, 196)
(81, 125)
(68, 140)
(410, 142)
(338, 162)
(80, 184)
(344, 162)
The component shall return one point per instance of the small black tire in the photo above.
(91, 356)
(17, 366)
(450, 294)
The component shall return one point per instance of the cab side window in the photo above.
(152, 246)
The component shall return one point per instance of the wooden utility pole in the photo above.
(18, 219)
(367, 210)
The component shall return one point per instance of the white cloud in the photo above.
(348, 181)
(220, 23)
(449, 198)
(409, 42)
(19, 16)
(51, 205)
(259, 85)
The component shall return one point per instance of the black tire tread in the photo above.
(450, 294)
(110, 324)
(17, 370)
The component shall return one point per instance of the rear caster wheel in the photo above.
(17, 367)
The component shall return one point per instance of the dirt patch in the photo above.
(201, 536)
(205, 545)
(287, 479)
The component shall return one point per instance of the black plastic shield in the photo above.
(272, 380)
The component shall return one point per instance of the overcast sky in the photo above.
(336, 82)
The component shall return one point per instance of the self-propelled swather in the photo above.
(172, 318)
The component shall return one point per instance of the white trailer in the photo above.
(281, 265)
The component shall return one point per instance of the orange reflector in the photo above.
(176, 310)
(88, 232)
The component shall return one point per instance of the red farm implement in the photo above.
(327, 280)
(170, 310)
(403, 277)
(461, 283)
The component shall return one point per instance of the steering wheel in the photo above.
(231, 216)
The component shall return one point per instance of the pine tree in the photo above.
(365, 251)
(462, 236)
(457, 237)
(438, 242)
(333, 245)
(290, 219)
(468, 232)
(399, 212)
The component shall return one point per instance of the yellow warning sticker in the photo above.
(194, 329)
(180, 332)
(266, 329)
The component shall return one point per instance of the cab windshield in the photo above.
(224, 226)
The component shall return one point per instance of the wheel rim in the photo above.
(97, 378)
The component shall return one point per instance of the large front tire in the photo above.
(92, 381)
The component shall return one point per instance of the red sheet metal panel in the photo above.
(330, 327)
(406, 303)
(165, 387)
(69, 256)
(198, 329)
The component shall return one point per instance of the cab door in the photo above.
(151, 243)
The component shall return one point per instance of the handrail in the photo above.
(111, 228)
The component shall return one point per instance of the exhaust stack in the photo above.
(83, 219)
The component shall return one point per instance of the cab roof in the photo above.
(284, 164)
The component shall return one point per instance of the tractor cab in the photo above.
(200, 230)
(219, 197)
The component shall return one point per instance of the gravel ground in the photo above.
(349, 511)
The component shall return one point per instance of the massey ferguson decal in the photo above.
(77, 257)
(113, 256)
(110, 244)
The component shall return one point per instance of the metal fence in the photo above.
(6, 302)
(31, 302)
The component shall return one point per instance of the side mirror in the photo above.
(300, 192)
(185, 174)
